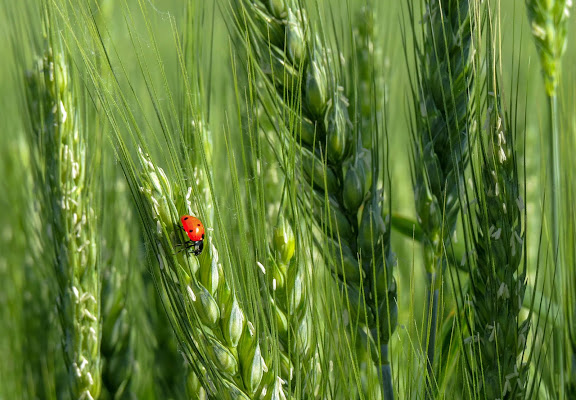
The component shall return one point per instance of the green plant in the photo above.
(288, 291)
(301, 91)
(298, 134)
(444, 113)
(215, 327)
(548, 20)
(61, 168)
(497, 276)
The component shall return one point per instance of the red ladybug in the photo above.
(195, 231)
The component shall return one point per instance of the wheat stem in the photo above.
(549, 26)
(554, 172)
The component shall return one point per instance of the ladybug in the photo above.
(195, 231)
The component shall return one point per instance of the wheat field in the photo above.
(384, 194)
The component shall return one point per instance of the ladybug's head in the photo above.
(198, 247)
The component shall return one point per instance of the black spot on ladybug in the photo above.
(198, 225)
(190, 230)
(185, 218)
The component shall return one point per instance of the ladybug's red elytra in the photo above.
(195, 231)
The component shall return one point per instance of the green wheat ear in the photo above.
(209, 320)
(27, 311)
(444, 112)
(548, 20)
(301, 89)
(63, 180)
(498, 282)
(289, 296)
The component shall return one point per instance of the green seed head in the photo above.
(284, 241)
(223, 358)
(344, 264)
(316, 89)
(305, 340)
(156, 186)
(58, 146)
(371, 231)
(295, 289)
(308, 132)
(277, 8)
(338, 134)
(353, 190)
(251, 361)
(548, 20)
(275, 392)
(295, 38)
(366, 29)
(204, 304)
(319, 174)
(232, 322)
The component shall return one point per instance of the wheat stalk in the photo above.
(548, 20)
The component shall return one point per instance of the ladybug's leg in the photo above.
(181, 248)
(184, 246)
